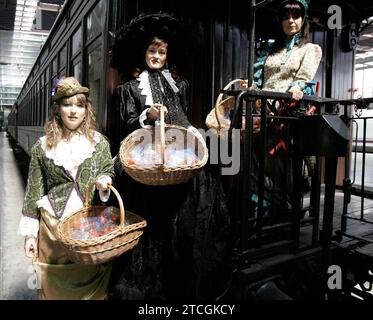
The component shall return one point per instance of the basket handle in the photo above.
(220, 97)
(162, 135)
(119, 198)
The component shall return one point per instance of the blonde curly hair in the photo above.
(54, 128)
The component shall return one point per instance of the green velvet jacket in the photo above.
(47, 178)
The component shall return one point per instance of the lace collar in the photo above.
(145, 85)
(72, 153)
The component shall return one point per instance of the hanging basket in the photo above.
(159, 174)
(218, 118)
(100, 249)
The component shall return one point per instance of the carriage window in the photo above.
(54, 66)
(76, 41)
(32, 104)
(46, 102)
(62, 73)
(96, 20)
(78, 71)
(62, 58)
(38, 103)
(47, 91)
(53, 84)
(94, 75)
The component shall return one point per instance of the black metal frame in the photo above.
(348, 184)
(246, 256)
(284, 252)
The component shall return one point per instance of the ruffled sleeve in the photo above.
(106, 162)
(35, 189)
(29, 224)
(28, 227)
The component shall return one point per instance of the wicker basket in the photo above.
(159, 174)
(216, 120)
(107, 247)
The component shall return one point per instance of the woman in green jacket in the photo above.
(64, 163)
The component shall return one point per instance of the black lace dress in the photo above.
(187, 236)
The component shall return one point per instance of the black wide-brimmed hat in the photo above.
(131, 40)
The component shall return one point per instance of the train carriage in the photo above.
(80, 44)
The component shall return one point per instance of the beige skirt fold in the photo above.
(61, 279)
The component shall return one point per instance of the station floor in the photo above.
(17, 280)
(16, 272)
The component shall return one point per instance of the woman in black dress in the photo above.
(187, 231)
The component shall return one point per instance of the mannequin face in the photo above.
(156, 55)
(291, 24)
(72, 113)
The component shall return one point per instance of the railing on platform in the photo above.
(272, 205)
(355, 183)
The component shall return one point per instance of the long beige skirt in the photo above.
(61, 279)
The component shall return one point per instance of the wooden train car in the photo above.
(80, 44)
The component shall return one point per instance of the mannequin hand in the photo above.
(31, 247)
(103, 182)
(154, 111)
(296, 94)
(245, 85)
